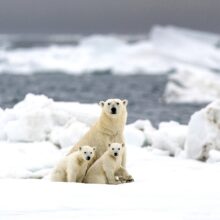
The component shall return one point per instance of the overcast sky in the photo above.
(106, 16)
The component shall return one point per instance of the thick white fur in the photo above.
(108, 129)
(74, 166)
(105, 169)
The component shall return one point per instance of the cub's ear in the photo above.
(125, 102)
(101, 103)
(80, 148)
(94, 148)
(122, 144)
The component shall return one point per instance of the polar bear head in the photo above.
(115, 149)
(114, 107)
(87, 152)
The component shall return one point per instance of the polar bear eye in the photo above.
(113, 148)
(90, 152)
(118, 148)
(117, 103)
(109, 103)
(85, 152)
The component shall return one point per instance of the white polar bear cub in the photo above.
(105, 170)
(74, 166)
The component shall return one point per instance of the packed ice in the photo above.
(40, 121)
(37, 132)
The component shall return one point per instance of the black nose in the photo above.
(113, 110)
(88, 158)
(116, 154)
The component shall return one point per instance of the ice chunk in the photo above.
(25, 160)
(38, 118)
(170, 137)
(69, 134)
(133, 136)
(193, 85)
(146, 127)
(204, 132)
(182, 47)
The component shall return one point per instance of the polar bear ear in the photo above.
(125, 102)
(101, 103)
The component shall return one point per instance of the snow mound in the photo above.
(170, 137)
(195, 59)
(186, 47)
(148, 130)
(204, 132)
(27, 160)
(37, 132)
(164, 188)
(192, 85)
(38, 118)
(93, 53)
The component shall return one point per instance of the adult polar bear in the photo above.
(108, 129)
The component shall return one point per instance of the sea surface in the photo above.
(144, 93)
(88, 69)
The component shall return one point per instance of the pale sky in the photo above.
(106, 16)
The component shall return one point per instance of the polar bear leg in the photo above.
(71, 175)
(111, 178)
(95, 179)
(58, 176)
(123, 175)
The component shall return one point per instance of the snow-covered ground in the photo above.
(193, 57)
(37, 132)
(164, 188)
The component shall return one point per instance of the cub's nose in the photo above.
(115, 154)
(88, 158)
(113, 110)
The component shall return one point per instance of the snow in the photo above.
(38, 118)
(195, 58)
(93, 53)
(192, 85)
(163, 50)
(170, 137)
(165, 187)
(203, 131)
(27, 160)
(181, 47)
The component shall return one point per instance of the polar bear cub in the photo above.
(74, 166)
(104, 170)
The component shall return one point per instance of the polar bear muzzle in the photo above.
(114, 110)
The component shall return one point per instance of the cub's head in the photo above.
(114, 107)
(87, 152)
(115, 149)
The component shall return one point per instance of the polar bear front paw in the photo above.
(129, 179)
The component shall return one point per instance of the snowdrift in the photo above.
(203, 137)
(38, 132)
(38, 128)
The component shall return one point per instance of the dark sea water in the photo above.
(144, 93)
